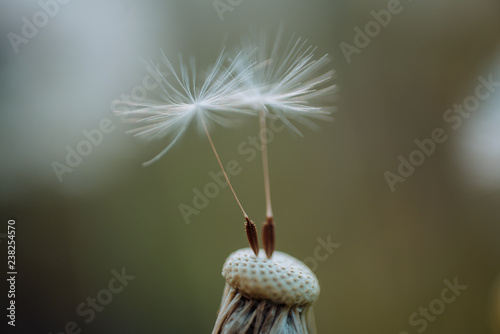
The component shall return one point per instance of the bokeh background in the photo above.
(397, 247)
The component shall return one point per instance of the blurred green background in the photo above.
(110, 213)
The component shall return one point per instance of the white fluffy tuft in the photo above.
(287, 84)
(182, 102)
(286, 81)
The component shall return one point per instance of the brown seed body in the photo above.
(268, 237)
(253, 239)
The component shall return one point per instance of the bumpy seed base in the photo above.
(281, 279)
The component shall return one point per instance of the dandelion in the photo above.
(287, 86)
(183, 103)
(268, 292)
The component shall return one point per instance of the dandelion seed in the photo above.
(288, 87)
(183, 104)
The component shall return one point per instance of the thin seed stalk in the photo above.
(250, 227)
(268, 228)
